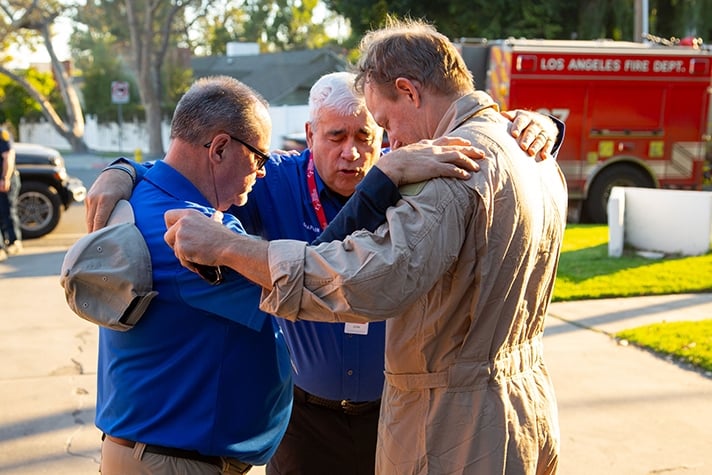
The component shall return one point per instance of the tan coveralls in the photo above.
(464, 272)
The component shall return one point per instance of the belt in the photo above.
(347, 407)
(237, 466)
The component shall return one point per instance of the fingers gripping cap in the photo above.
(107, 275)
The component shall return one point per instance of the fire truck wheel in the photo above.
(596, 205)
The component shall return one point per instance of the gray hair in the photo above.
(336, 92)
(216, 103)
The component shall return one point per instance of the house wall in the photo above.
(132, 136)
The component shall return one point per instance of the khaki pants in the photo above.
(119, 460)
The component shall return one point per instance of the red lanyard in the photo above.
(314, 194)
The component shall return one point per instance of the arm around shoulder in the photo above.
(114, 183)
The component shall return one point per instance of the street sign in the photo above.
(119, 92)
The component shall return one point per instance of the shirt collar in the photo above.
(463, 109)
(173, 183)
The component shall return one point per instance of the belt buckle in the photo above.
(355, 409)
(231, 466)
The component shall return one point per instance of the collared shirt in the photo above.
(328, 361)
(464, 271)
(205, 370)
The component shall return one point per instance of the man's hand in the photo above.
(109, 187)
(535, 132)
(195, 238)
(445, 157)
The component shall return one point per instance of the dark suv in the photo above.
(46, 189)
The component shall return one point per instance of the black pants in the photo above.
(325, 441)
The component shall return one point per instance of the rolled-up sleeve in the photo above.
(286, 265)
(371, 275)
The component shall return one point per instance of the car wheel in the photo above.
(39, 208)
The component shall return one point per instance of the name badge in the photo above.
(356, 328)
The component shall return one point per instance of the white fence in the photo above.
(132, 135)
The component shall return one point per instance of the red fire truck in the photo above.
(636, 114)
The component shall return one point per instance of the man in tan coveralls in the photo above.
(466, 266)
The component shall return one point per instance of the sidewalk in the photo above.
(623, 411)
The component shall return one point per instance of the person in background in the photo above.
(462, 270)
(9, 192)
(338, 369)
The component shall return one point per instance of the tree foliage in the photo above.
(219, 26)
(17, 104)
(145, 36)
(276, 25)
(30, 22)
(95, 55)
(552, 19)
(681, 18)
(292, 26)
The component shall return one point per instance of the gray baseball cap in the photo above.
(107, 274)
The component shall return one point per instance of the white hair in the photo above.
(335, 91)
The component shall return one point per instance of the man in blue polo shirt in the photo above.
(202, 383)
(338, 368)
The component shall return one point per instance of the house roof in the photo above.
(282, 78)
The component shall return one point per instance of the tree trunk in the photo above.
(155, 129)
(77, 143)
(150, 30)
(74, 135)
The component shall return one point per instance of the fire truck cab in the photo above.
(636, 114)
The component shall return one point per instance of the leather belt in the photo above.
(235, 465)
(347, 407)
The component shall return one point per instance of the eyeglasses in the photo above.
(262, 157)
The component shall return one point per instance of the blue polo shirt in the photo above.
(328, 361)
(204, 369)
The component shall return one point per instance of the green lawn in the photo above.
(690, 342)
(586, 272)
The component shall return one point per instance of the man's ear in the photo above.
(408, 88)
(218, 145)
(309, 132)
